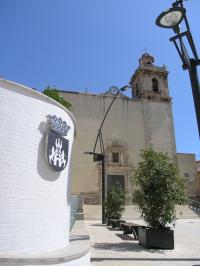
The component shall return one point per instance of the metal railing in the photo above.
(76, 207)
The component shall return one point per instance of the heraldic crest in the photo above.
(56, 144)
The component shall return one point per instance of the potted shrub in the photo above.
(157, 190)
(115, 202)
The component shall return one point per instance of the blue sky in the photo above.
(94, 44)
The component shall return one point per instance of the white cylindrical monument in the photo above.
(34, 171)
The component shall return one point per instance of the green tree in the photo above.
(54, 94)
(115, 202)
(158, 189)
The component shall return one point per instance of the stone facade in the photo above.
(143, 121)
(198, 177)
(188, 171)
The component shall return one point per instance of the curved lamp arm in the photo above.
(99, 134)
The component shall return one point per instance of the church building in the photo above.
(134, 123)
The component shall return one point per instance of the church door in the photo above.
(113, 180)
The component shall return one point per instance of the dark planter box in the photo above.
(160, 239)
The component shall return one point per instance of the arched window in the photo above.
(155, 85)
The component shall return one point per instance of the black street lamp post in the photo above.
(172, 18)
(101, 156)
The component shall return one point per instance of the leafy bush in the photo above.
(54, 94)
(158, 189)
(115, 202)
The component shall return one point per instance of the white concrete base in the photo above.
(75, 254)
(83, 261)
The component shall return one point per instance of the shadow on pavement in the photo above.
(148, 259)
(124, 247)
(81, 237)
(125, 237)
(112, 229)
(98, 224)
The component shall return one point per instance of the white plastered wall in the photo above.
(34, 199)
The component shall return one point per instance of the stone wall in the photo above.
(198, 177)
(131, 125)
(188, 171)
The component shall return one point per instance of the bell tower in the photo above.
(151, 94)
(150, 81)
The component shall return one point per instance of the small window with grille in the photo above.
(155, 85)
(186, 174)
(115, 157)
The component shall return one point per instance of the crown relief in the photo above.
(58, 125)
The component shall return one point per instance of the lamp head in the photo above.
(171, 18)
(115, 90)
(125, 88)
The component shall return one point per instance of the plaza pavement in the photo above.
(111, 248)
